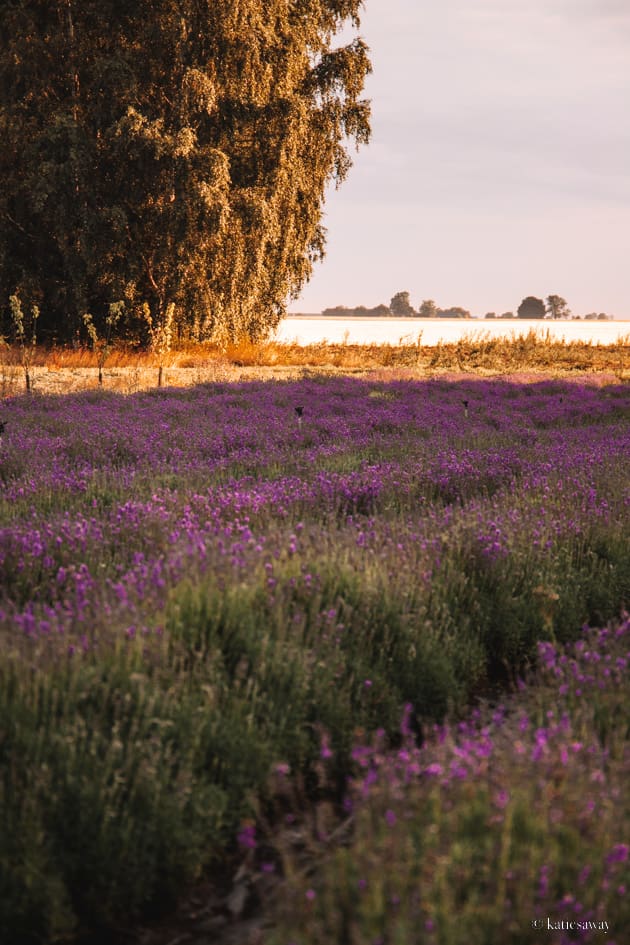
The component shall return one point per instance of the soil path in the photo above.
(130, 380)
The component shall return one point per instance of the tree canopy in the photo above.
(400, 305)
(428, 309)
(172, 153)
(557, 307)
(455, 311)
(531, 307)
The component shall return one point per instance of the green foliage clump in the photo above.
(509, 826)
(112, 774)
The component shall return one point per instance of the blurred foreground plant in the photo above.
(517, 817)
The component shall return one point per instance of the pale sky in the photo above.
(499, 165)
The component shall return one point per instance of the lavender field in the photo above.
(199, 585)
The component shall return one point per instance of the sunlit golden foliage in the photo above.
(172, 154)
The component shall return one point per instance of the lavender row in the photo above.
(508, 826)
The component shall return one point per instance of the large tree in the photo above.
(172, 152)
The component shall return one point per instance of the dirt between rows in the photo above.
(130, 380)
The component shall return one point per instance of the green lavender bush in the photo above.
(509, 826)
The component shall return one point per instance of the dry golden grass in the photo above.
(476, 352)
(129, 368)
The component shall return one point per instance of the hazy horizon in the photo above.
(296, 313)
(498, 166)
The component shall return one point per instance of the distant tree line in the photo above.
(399, 307)
(554, 307)
(360, 311)
(171, 158)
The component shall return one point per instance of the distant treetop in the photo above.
(428, 309)
(341, 311)
(531, 307)
(400, 305)
(455, 311)
(557, 307)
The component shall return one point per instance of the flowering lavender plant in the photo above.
(513, 821)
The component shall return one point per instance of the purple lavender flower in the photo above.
(247, 836)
